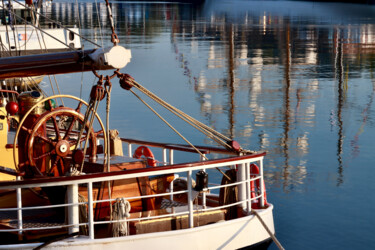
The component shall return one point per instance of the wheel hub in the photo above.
(62, 148)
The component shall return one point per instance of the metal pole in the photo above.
(248, 191)
(73, 210)
(190, 200)
(261, 183)
(165, 156)
(130, 150)
(91, 210)
(19, 211)
(171, 156)
(241, 176)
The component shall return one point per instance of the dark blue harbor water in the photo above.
(296, 79)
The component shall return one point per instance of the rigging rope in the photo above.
(175, 130)
(108, 88)
(100, 27)
(126, 82)
(96, 95)
(273, 237)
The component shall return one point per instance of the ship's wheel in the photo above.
(54, 143)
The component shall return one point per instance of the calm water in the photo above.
(293, 78)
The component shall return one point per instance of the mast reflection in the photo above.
(258, 76)
(339, 71)
(285, 139)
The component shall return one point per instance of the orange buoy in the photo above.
(255, 185)
(146, 152)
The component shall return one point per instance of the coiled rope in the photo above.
(121, 211)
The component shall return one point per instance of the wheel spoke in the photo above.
(50, 104)
(70, 127)
(44, 155)
(98, 133)
(78, 109)
(26, 129)
(54, 165)
(75, 142)
(46, 139)
(57, 130)
(61, 168)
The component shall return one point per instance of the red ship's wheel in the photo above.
(52, 151)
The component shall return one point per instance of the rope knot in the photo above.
(108, 82)
(101, 79)
(126, 81)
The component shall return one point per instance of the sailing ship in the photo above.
(66, 183)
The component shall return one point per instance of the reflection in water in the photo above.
(231, 82)
(341, 99)
(260, 76)
(294, 78)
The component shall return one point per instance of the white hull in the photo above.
(154, 206)
(231, 234)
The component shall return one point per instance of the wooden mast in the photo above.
(115, 57)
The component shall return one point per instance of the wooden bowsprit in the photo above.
(115, 57)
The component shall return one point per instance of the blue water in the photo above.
(293, 78)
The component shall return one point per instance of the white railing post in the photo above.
(19, 211)
(241, 176)
(190, 199)
(130, 150)
(171, 156)
(261, 183)
(248, 190)
(73, 210)
(202, 157)
(90, 206)
(204, 196)
(171, 189)
(165, 156)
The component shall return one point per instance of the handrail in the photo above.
(181, 147)
(105, 176)
(242, 163)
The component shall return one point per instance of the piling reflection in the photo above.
(258, 75)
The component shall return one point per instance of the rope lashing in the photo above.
(127, 82)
